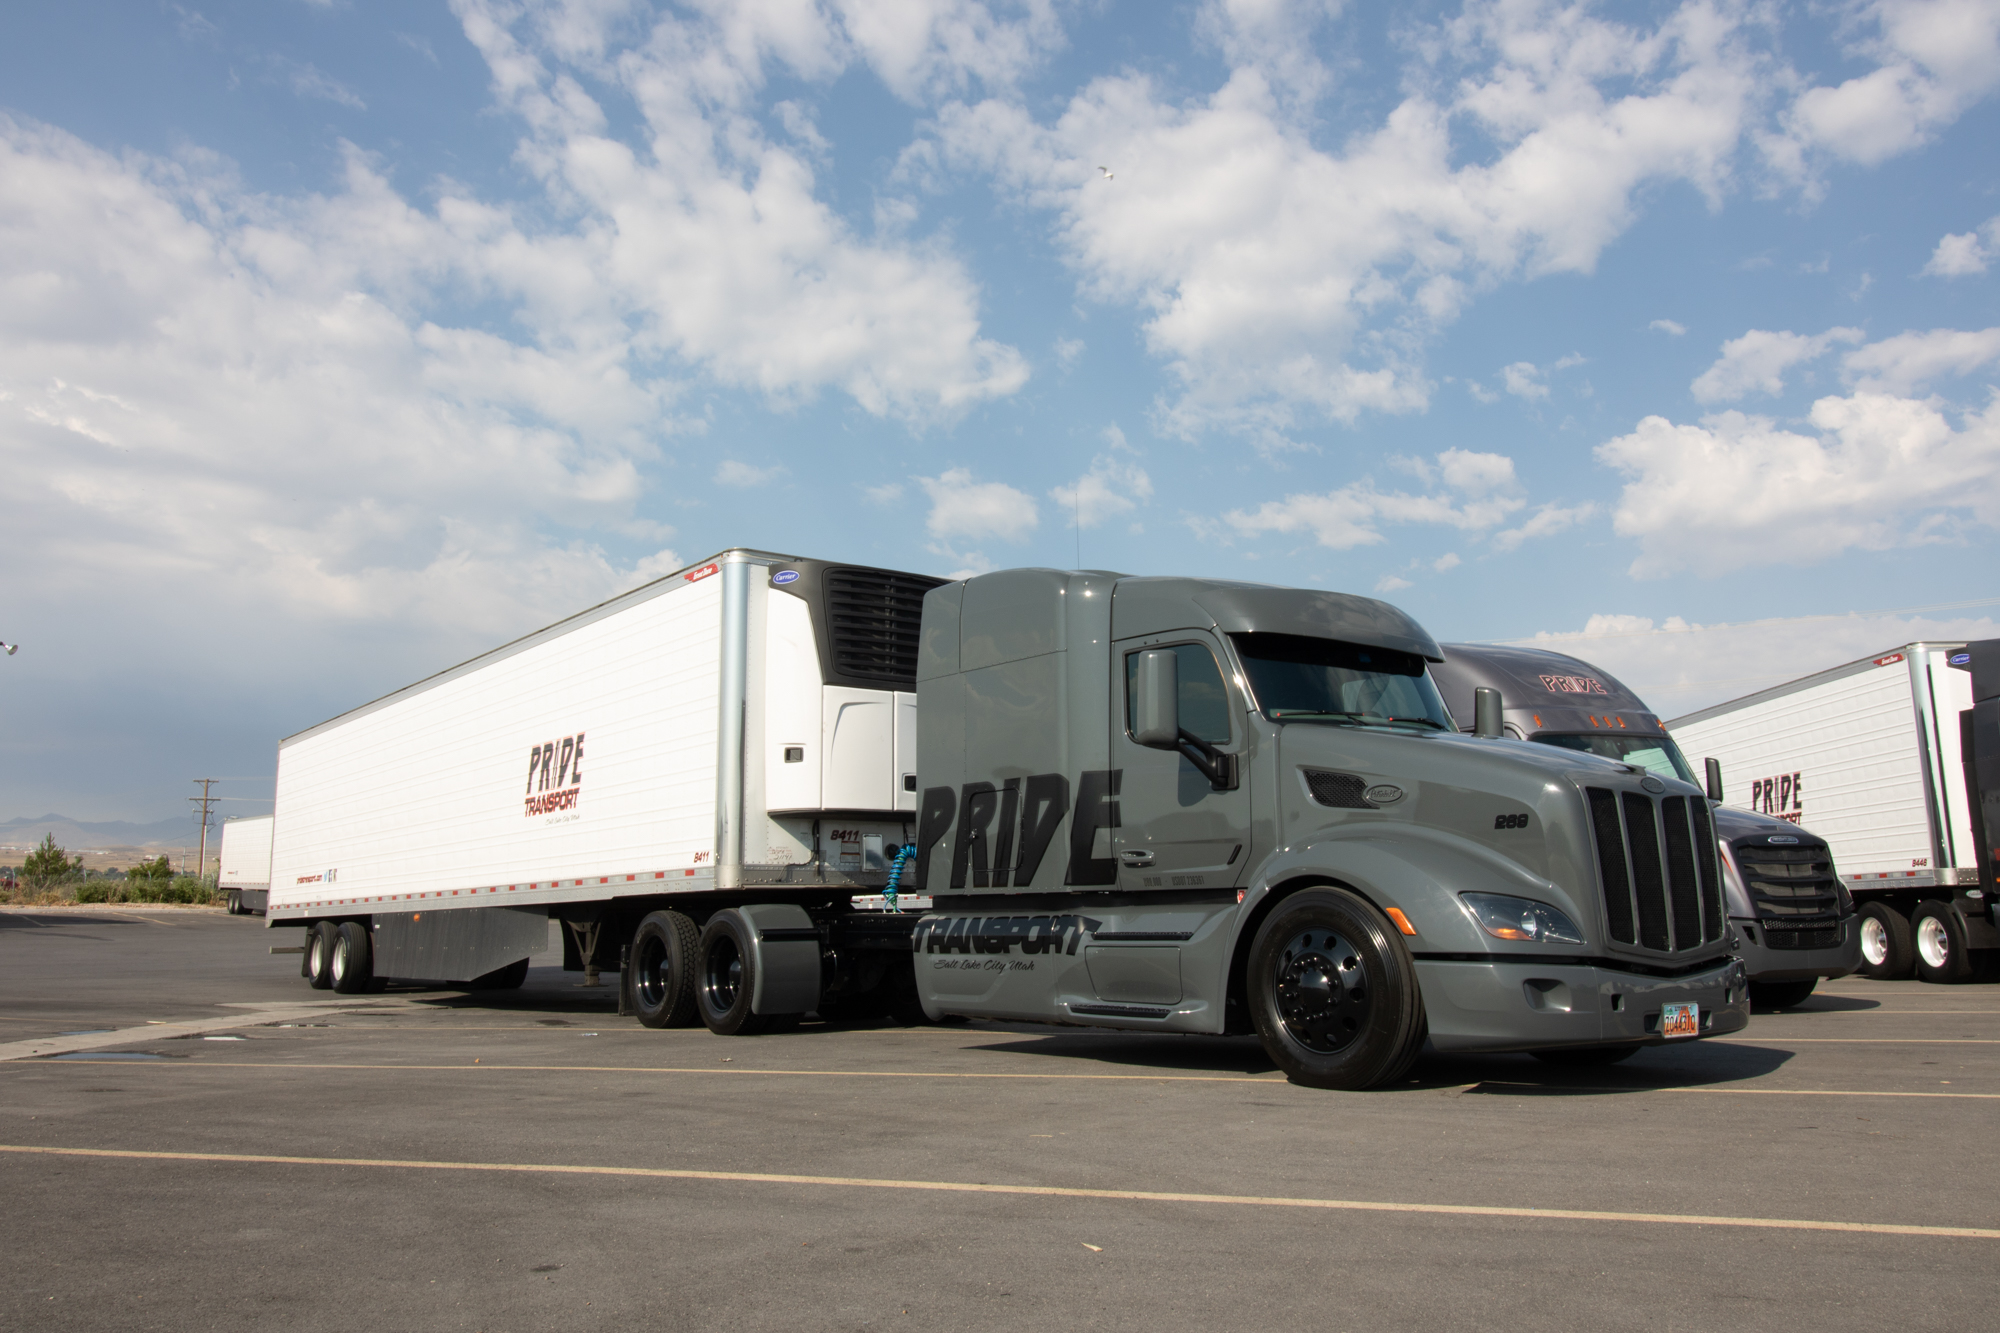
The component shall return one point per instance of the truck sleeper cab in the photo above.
(1795, 920)
(1198, 806)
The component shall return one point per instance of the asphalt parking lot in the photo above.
(429, 1159)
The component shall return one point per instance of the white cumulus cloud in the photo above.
(1112, 487)
(1757, 362)
(1909, 361)
(1737, 492)
(1478, 492)
(965, 510)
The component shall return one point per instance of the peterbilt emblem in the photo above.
(1383, 794)
(1653, 785)
(1780, 837)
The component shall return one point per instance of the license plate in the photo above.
(1680, 1020)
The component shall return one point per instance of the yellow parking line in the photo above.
(1044, 1191)
(1859, 1041)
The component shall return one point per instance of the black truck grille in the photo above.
(1657, 862)
(1788, 882)
(873, 617)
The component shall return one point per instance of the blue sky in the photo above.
(341, 341)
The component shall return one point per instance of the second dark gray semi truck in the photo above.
(1795, 919)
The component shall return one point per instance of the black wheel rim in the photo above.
(722, 979)
(1321, 991)
(651, 972)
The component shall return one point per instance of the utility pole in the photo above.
(204, 801)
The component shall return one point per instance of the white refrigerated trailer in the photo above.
(1869, 757)
(739, 735)
(243, 871)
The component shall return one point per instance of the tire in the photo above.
(317, 966)
(726, 977)
(1768, 995)
(1942, 956)
(352, 964)
(1587, 1057)
(232, 903)
(1887, 950)
(662, 963)
(509, 977)
(1333, 992)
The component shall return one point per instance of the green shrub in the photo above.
(95, 891)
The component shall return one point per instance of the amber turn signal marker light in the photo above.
(1402, 922)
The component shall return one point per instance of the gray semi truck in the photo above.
(1189, 805)
(1794, 918)
(766, 786)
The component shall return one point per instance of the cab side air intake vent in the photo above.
(1656, 861)
(873, 617)
(1342, 791)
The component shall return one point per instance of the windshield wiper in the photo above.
(1373, 719)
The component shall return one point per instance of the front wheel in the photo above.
(1333, 992)
(1942, 955)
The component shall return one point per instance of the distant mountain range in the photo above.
(74, 834)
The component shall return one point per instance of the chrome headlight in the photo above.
(1508, 918)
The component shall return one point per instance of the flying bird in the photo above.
(1106, 171)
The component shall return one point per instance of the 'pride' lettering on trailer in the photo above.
(1782, 796)
(555, 775)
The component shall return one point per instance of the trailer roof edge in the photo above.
(645, 592)
(1853, 668)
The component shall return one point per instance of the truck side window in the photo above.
(1204, 703)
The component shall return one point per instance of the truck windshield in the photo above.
(1297, 678)
(1656, 754)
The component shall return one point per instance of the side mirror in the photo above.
(1714, 767)
(1156, 720)
(1486, 713)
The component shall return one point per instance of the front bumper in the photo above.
(1504, 1006)
(1768, 964)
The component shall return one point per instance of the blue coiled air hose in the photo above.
(896, 873)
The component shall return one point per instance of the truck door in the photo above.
(1175, 830)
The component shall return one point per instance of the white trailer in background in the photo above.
(244, 864)
(1869, 757)
(736, 740)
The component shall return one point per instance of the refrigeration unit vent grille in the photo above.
(873, 618)
(1656, 861)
